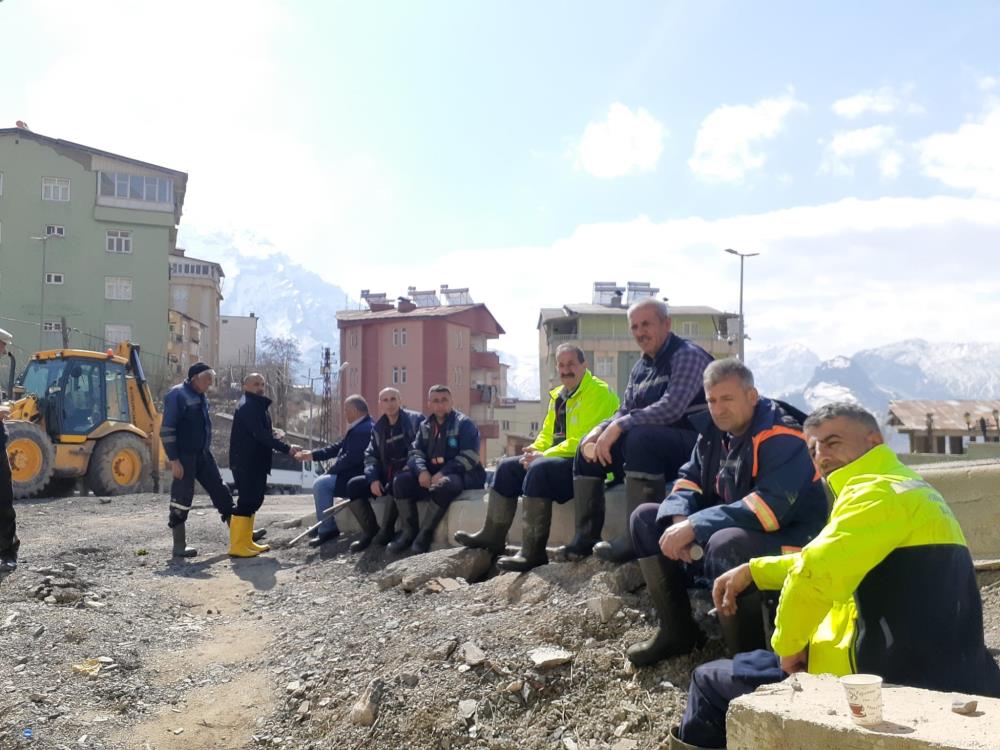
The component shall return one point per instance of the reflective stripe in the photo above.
(686, 484)
(910, 484)
(760, 437)
(763, 512)
(178, 506)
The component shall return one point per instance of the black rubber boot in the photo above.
(638, 490)
(537, 520)
(744, 631)
(407, 510)
(362, 510)
(678, 634)
(588, 501)
(180, 542)
(676, 743)
(258, 534)
(387, 531)
(500, 511)
(425, 537)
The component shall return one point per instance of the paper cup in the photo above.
(864, 698)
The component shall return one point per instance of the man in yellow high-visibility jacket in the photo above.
(877, 591)
(543, 474)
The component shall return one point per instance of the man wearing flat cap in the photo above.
(187, 440)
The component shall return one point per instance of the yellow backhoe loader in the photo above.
(82, 414)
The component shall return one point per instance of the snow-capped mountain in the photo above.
(781, 369)
(289, 299)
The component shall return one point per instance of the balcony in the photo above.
(489, 429)
(484, 360)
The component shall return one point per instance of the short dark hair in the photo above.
(358, 402)
(580, 356)
(438, 389)
(723, 369)
(847, 410)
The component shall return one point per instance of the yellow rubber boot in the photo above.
(258, 547)
(240, 531)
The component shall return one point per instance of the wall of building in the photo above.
(237, 340)
(81, 256)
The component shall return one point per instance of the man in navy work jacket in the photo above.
(649, 437)
(385, 458)
(186, 433)
(251, 444)
(444, 460)
(749, 490)
(348, 456)
(9, 543)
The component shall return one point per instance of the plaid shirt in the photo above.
(654, 397)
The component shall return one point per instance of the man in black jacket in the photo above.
(349, 461)
(9, 542)
(386, 457)
(251, 444)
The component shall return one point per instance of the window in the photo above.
(690, 328)
(136, 187)
(55, 230)
(55, 189)
(54, 278)
(402, 374)
(118, 287)
(52, 325)
(395, 375)
(354, 339)
(459, 339)
(505, 425)
(534, 426)
(120, 241)
(458, 375)
(115, 333)
(399, 337)
(115, 392)
(604, 367)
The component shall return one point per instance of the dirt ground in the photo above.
(275, 651)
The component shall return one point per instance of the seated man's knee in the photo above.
(726, 549)
(508, 477)
(644, 530)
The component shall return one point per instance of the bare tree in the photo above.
(276, 361)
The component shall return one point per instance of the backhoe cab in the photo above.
(82, 414)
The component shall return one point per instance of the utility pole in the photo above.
(326, 406)
(44, 239)
(742, 256)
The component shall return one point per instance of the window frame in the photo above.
(123, 236)
(119, 282)
(54, 183)
(50, 278)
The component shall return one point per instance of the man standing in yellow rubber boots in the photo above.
(251, 444)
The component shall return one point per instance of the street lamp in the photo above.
(44, 239)
(742, 257)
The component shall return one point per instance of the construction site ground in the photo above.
(109, 643)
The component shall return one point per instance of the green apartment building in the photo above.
(601, 329)
(85, 241)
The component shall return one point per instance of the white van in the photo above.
(288, 476)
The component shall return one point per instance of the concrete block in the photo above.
(816, 716)
(972, 491)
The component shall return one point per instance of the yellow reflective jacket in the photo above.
(887, 586)
(591, 403)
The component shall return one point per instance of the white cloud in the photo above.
(881, 101)
(727, 146)
(625, 143)
(967, 158)
(847, 147)
(988, 83)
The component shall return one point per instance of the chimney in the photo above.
(405, 305)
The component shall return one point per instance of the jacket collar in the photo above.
(879, 460)
(658, 357)
(190, 389)
(253, 397)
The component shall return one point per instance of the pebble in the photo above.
(471, 654)
(40, 629)
(546, 657)
(964, 706)
(467, 709)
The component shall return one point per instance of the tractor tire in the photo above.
(118, 465)
(32, 458)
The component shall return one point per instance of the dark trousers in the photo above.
(359, 488)
(713, 686)
(200, 466)
(724, 550)
(252, 486)
(652, 451)
(549, 478)
(9, 543)
(406, 487)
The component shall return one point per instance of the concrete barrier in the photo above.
(972, 491)
(816, 716)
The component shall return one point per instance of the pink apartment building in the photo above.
(418, 342)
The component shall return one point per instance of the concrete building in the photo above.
(520, 421)
(600, 327)
(84, 238)
(946, 427)
(184, 342)
(237, 341)
(196, 291)
(418, 342)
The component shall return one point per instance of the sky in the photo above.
(528, 149)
